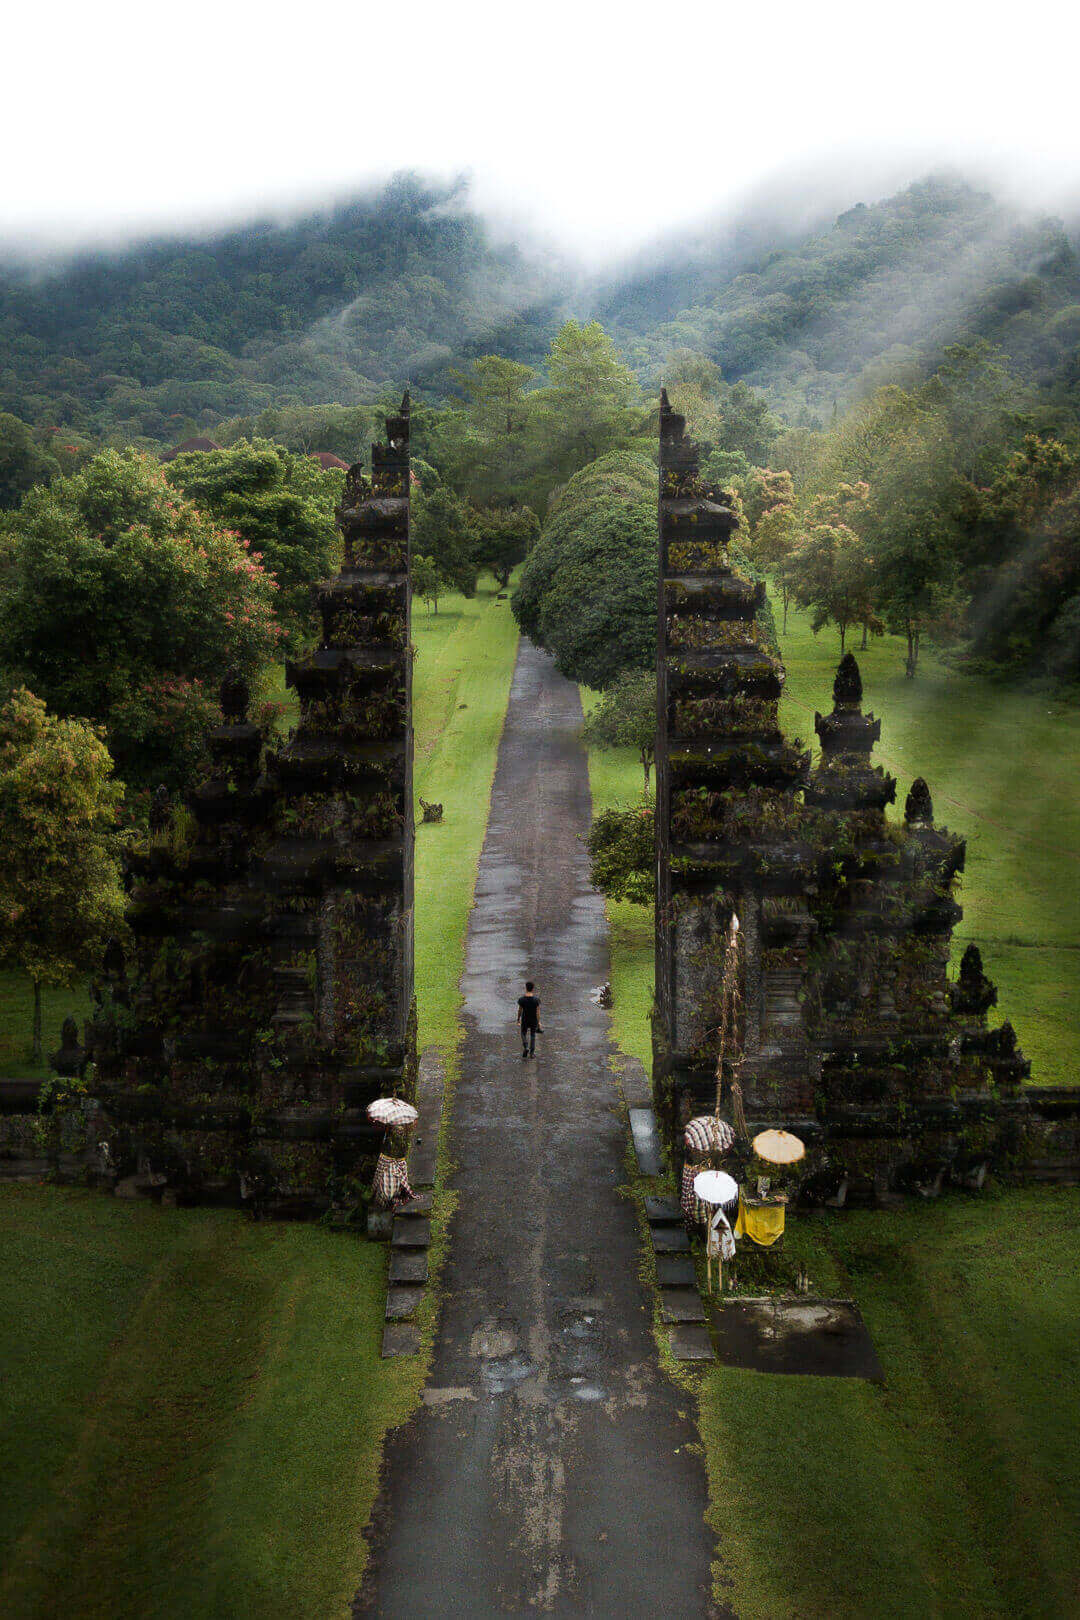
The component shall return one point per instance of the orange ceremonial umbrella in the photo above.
(778, 1147)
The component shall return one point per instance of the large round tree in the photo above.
(587, 591)
(122, 603)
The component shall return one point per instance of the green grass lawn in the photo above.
(464, 665)
(1003, 768)
(616, 778)
(193, 1408)
(954, 1490)
(17, 1020)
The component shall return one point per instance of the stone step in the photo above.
(670, 1240)
(681, 1305)
(662, 1212)
(690, 1342)
(401, 1302)
(675, 1271)
(646, 1142)
(408, 1266)
(411, 1233)
(400, 1339)
(420, 1205)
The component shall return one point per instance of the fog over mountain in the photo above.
(406, 282)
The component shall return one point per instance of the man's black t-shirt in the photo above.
(530, 1011)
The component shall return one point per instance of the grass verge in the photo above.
(955, 1488)
(616, 778)
(193, 1410)
(465, 662)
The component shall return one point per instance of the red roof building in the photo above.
(189, 446)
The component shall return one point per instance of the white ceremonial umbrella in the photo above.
(715, 1188)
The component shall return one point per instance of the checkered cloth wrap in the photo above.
(391, 1184)
(693, 1209)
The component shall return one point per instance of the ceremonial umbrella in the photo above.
(707, 1134)
(778, 1147)
(393, 1111)
(716, 1188)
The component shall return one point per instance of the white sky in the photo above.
(601, 125)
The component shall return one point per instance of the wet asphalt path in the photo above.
(548, 1468)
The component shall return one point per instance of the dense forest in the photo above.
(892, 401)
(160, 340)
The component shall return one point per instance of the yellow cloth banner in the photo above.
(761, 1223)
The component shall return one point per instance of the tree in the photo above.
(588, 590)
(113, 586)
(599, 615)
(60, 891)
(746, 423)
(616, 480)
(833, 575)
(774, 541)
(588, 408)
(22, 461)
(504, 535)
(625, 717)
(281, 504)
(765, 491)
(442, 529)
(622, 856)
(427, 582)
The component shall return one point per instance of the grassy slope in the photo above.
(1002, 768)
(16, 1023)
(194, 1407)
(462, 684)
(955, 1489)
(616, 778)
(194, 1410)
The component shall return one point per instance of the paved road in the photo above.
(548, 1469)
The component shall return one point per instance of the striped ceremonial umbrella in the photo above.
(707, 1134)
(392, 1111)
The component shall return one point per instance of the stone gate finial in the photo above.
(113, 960)
(918, 806)
(160, 809)
(235, 697)
(847, 686)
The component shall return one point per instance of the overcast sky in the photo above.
(602, 125)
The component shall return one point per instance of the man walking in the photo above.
(528, 1017)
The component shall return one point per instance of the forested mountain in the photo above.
(875, 297)
(146, 341)
(159, 340)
